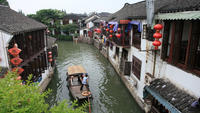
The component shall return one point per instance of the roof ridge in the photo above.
(4, 6)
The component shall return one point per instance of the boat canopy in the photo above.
(73, 70)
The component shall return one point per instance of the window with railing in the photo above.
(181, 44)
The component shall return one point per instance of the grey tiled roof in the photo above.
(136, 10)
(178, 5)
(101, 19)
(13, 22)
(177, 97)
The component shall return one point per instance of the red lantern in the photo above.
(158, 27)
(118, 35)
(49, 53)
(157, 35)
(16, 61)
(98, 30)
(119, 29)
(107, 29)
(19, 78)
(14, 51)
(50, 60)
(110, 36)
(156, 43)
(18, 69)
(50, 56)
(111, 31)
(111, 26)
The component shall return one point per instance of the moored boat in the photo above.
(74, 75)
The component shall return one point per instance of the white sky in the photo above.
(71, 6)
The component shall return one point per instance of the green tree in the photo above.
(17, 98)
(69, 28)
(4, 2)
(46, 15)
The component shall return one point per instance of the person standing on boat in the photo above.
(84, 81)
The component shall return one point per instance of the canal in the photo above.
(109, 93)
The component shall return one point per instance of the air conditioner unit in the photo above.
(148, 78)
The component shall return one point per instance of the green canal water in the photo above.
(109, 93)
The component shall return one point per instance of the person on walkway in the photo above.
(196, 104)
(84, 81)
(195, 107)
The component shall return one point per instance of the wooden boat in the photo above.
(74, 83)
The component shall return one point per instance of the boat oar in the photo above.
(89, 104)
(87, 94)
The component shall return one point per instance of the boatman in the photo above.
(84, 81)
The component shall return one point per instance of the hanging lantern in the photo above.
(50, 60)
(14, 51)
(119, 29)
(16, 61)
(118, 35)
(107, 29)
(49, 53)
(158, 27)
(110, 36)
(50, 56)
(98, 30)
(156, 43)
(19, 78)
(157, 35)
(111, 26)
(111, 31)
(18, 69)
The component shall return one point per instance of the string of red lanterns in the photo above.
(157, 35)
(50, 56)
(16, 61)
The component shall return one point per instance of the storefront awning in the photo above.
(135, 23)
(188, 15)
(172, 98)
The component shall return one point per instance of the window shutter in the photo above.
(127, 70)
(177, 41)
(193, 45)
(165, 40)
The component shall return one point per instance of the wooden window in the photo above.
(136, 37)
(181, 44)
(136, 67)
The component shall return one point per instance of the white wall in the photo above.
(141, 55)
(70, 21)
(90, 24)
(81, 32)
(4, 40)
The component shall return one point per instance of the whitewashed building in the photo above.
(176, 75)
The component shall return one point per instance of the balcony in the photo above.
(123, 41)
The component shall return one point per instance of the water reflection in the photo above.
(109, 93)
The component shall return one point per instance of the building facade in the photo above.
(31, 38)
